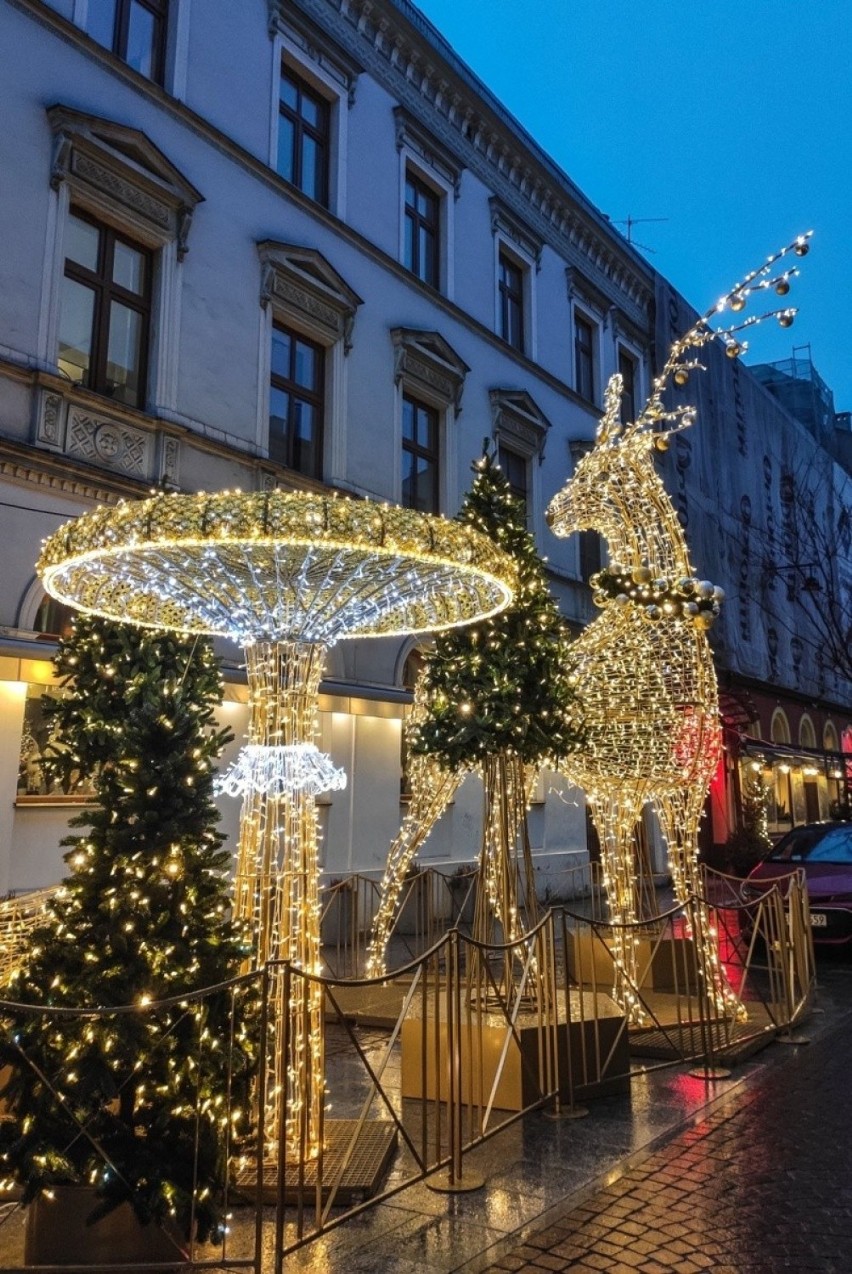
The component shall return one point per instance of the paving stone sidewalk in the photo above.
(761, 1183)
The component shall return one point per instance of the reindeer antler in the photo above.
(679, 363)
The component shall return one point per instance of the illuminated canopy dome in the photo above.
(276, 565)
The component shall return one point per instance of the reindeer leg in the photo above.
(679, 816)
(615, 815)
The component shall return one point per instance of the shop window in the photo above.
(37, 737)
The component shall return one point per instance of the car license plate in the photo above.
(819, 920)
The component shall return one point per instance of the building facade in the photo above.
(301, 245)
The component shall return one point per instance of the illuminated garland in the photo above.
(687, 597)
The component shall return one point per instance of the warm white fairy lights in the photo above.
(287, 574)
(645, 665)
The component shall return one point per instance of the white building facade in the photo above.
(291, 245)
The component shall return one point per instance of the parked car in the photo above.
(824, 852)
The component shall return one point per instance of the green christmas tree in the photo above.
(503, 685)
(499, 697)
(135, 1103)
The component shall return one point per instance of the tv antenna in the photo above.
(630, 222)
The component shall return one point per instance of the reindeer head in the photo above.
(602, 491)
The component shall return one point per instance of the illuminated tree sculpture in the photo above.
(645, 665)
(498, 698)
(142, 917)
(287, 575)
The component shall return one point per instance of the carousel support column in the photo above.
(278, 877)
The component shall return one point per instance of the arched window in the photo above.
(830, 741)
(807, 734)
(780, 728)
(53, 618)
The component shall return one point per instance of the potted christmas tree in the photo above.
(499, 697)
(130, 1105)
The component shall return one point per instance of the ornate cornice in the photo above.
(400, 50)
(427, 360)
(301, 280)
(517, 418)
(120, 168)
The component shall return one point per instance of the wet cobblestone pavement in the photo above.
(761, 1183)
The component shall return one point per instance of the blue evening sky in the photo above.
(732, 120)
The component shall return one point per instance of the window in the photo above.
(584, 358)
(296, 402)
(429, 378)
(419, 456)
(627, 368)
(53, 619)
(135, 31)
(303, 136)
(105, 311)
(519, 427)
(422, 230)
(514, 468)
(511, 286)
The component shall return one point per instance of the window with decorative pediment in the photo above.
(429, 377)
(310, 313)
(430, 177)
(518, 259)
(120, 226)
(313, 88)
(519, 428)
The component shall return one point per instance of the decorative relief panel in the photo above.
(50, 429)
(108, 443)
(169, 462)
(124, 191)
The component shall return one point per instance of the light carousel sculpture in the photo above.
(287, 575)
(645, 665)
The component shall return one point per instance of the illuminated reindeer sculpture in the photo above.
(644, 666)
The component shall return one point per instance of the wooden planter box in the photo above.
(57, 1234)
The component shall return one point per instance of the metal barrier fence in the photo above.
(452, 1047)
